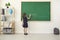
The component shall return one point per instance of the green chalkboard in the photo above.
(40, 11)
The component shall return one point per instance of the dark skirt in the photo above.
(25, 25)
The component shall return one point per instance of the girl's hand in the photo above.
(30, 15)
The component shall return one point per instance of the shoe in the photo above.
(25, 33)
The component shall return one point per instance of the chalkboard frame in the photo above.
(38, 20)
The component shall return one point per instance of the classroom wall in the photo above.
(36, 26)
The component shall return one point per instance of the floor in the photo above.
(30, 37)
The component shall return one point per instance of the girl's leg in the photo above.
(25, 31)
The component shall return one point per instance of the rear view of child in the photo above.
(25, 23)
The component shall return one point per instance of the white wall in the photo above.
(36, 26)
